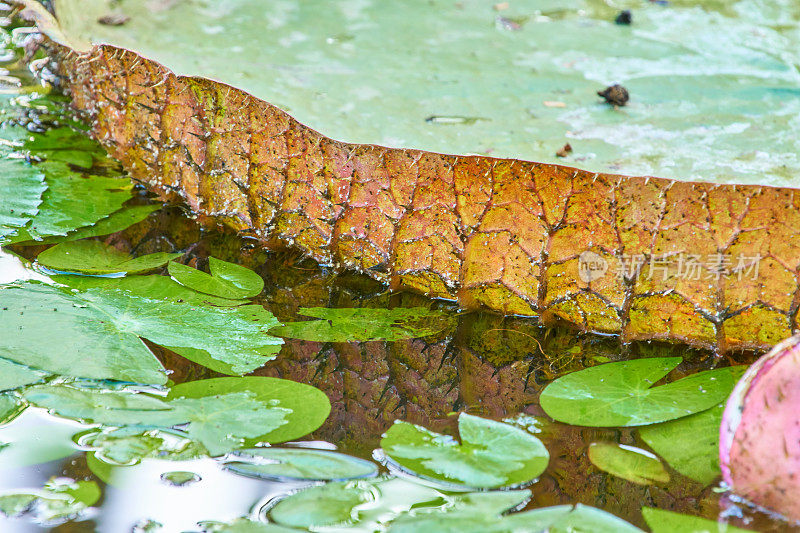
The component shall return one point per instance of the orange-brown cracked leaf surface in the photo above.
(705, 264)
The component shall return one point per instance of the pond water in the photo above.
(132, 471)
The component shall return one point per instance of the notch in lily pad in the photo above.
(227, 280)
(491, 454)
(97, 258)
(622, 394)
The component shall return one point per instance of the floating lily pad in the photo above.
(220, 415)
(243, 525)
(634, 464)
(10, 407)
(116, 221)
(34, 316)
(95, 257)
(227, 280)
(690, 445)
(226, 338)
(180, 478)
(661, 521)
(66, 145)
(622, 394)
(300, 464)
(73, 200)
(307, 406)
(364, 324)
(21, 188)
(367, 505)
(128, 446)
(58, 501)
(491, 454)
(558, 519)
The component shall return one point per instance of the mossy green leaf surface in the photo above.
(661, 521)
(95, 257)
(622, 394)
(491, 454)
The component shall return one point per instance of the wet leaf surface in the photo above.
(299, 463)
(14, 375)
(634, 464)
(227, 280)
(58, 501)
(94, 257)
(622, 393)
(21, 188)
(491, 454)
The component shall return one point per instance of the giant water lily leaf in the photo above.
(362, 505)
(469, 228)
(691, 444)
(13, 375)
(21, 188)
(661, 521)
(627, 462)
(227, 280)
(364, 324)
(230, 339)
(622, 394)
(94, 257)
(44, 327)
(73, 200)
(299, 464)
(117, 221)
(491, 454)
(302, 408)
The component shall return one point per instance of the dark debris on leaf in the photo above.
(616, 95)
(624, 18)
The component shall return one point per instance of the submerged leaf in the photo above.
(46, 328)
(364, 324)
(622, 394)
(57, 501)
(95, 257)
(227, 280)
(661, 521)
(491, 454)
(633, 464)
(21, 188)
(299, 463)
(13, 376)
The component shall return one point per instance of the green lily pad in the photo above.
(227, 280)
(66, 145)
(10, 408)
(14, 376)
(661, 521)
(73, 200)
(95, 257)
(364, 324)
(21, 188)
(128, 446)
(307, 406)
(557, 519)
(243, 525)
(367, 505)
(57, 501)
(491, 454)
(224, 337)
(622, 394)
(222, 414)
(116, 221)
(33, 316)
(299, 464)
(634, 464)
